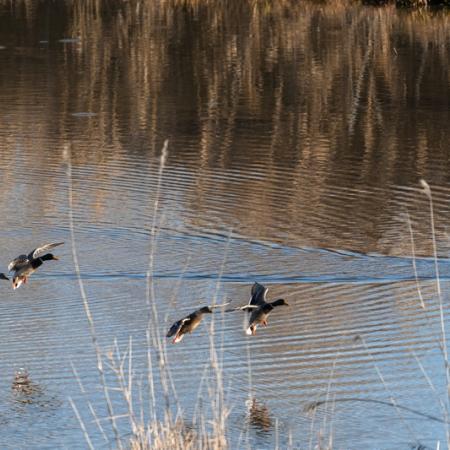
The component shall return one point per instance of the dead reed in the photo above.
(171, 429)
(147, 430)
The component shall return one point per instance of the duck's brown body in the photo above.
(188, 324)
(260, 315)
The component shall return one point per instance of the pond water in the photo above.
(297, 137)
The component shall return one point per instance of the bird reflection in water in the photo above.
(23, 387)
(259, 416)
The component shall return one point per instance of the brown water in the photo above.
(297, 139)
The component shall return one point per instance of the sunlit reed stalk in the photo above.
(83, 427)
(68, 156)
(150, 293)
(311, 429)
(432, 387)
(427, 191)
(443, 406)
(250, 383)
(413, 251)
(97, 422)
(218, 407)
(91, 408)
(277, 435)
(199, 401)
(330, 381)
(124, 378)
(389, 392)
(153, 331)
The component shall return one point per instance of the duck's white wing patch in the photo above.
(176, 327)
(39, 251)
(248, 308)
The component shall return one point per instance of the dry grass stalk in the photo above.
(68, 156)
(169, 432)
(443, 341)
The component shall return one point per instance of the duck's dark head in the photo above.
(3, 277)
(48, 257)
(280, 302)
(205, 310)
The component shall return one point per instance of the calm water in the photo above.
(297, 139)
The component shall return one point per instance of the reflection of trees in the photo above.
(322, 87)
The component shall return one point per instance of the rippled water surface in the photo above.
(297, 136)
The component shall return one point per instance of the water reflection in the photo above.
(259, 416)
(22, 384)
(321, 125)
(297, 136)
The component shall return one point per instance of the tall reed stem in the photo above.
(87, 310)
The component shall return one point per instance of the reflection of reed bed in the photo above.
(120, 47)
(278, 64)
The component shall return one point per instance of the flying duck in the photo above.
(259, 308)
(189, 323)
(24, 265)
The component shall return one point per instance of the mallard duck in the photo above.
(259, 315)
(24, 265)
(189, 323)
(259, 308)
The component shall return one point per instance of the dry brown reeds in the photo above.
(147, 430)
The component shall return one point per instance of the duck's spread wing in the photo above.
(258, 294)
(40, 251)
(175, 328)
(17, 263)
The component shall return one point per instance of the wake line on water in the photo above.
(219, 236)
(250, 278)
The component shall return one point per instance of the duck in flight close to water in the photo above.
(24, 265)
(259, 308)
(189, 323)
